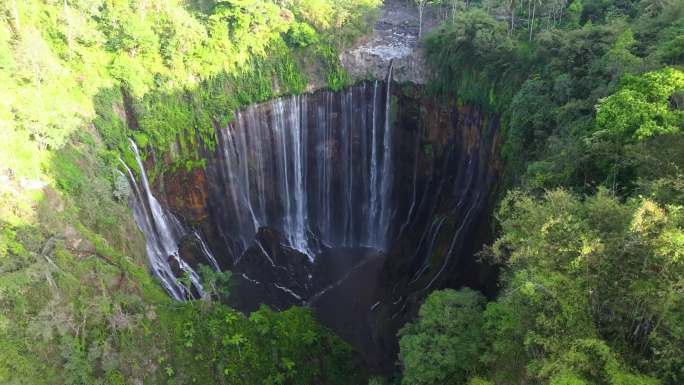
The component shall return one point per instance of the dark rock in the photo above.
(271, 273)
(190, 250)
(175, 266)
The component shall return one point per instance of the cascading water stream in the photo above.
(163, 233)
(387, 166)
(317, 168)
(374, 171)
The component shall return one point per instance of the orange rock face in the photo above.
(186, 193)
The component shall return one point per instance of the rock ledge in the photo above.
(394, 38)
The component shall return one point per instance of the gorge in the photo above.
(356, 203)
(324, 192)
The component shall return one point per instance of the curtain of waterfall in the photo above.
(318, 168)
(163, 233)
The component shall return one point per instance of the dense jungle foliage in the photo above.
(77, 78)
(590, 94)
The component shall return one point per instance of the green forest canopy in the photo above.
(590, 232)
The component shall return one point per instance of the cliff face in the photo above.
(394, 38)
(457, 170)
(353, 203)
(186, 193)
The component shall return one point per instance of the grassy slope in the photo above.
(79, 78)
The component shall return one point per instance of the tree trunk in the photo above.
(512, 20)
(534, 7)
(529, 12)
(510, 32)
(420, 19)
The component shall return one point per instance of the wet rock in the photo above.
(394, 38)
(186, 193)
(175, 266)
(272, 273)
(190, 250)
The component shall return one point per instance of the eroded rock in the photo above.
(394, 39)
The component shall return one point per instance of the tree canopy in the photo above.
(589, 95)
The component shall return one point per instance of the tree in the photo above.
(301, 35)
(642, 107)
(452, 7)
(512, 5)
(216, 284)
(591, 361)
(591, 288)
(531, 119)
(574, 13)
(472, 56)
(421, 9)
(443, 345)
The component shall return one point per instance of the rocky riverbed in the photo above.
(394, 38)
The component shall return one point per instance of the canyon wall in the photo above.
(354, 203)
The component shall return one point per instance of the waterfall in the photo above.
(163, 233)
(315, 167)
(387, 169)
(374, 173)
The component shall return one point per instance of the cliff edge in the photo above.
(394, 37)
